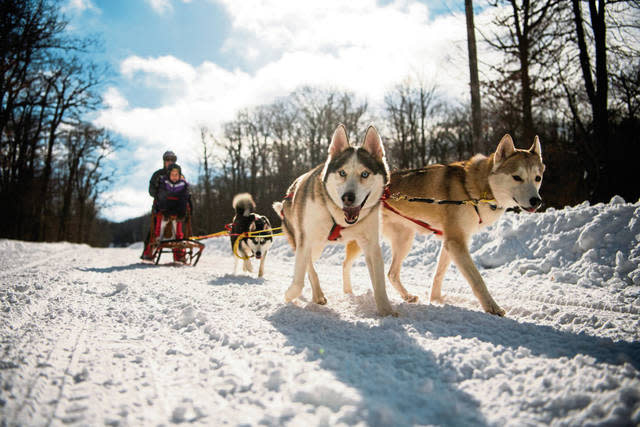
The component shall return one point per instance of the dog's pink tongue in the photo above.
(351, 213)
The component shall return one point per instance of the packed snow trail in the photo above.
(92, 336)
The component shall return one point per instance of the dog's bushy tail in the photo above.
(278, 207)
(243, 204)
(286, 226)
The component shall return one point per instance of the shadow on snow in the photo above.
(236, 279)
(401, 382)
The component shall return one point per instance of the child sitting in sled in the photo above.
(173, 199)
(173, 193)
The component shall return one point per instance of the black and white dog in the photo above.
(246, 220)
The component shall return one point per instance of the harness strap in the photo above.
(416, 221)
(478, 213)
(387, 195)
(334, 234)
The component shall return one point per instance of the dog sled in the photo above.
(170, 235)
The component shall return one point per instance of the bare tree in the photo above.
(409, 107)
(527, 36)
(45, 88)
(474, 81)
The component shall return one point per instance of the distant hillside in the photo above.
(129, 231)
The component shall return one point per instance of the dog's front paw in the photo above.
(320, 300)
(387, 311)
(439, 299)
(292, 293)
(493, 308)
(410, 298)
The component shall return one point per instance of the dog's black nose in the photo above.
(258, 254)
(348, 198)
(535, 202)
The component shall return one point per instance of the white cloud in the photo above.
(163, 6)
(356, 45)
(80, 6)
(125, 203)
(114, 100)
(164, 67)
(160, 6)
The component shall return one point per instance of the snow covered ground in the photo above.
(93, 337)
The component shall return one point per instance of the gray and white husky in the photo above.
(338, 201)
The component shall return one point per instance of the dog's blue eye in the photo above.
(364, 174)
(538, 178)
(342, 173)
(517, 178)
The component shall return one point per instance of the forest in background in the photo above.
(51, 156)
(569, 71)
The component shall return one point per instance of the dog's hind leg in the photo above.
(352, 250)
(461, 257)
(318, 295)
(443, 264)
(401, 241)
(303, 254)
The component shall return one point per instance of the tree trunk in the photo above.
(476, 111)
(522, 34)
(597, 93)
(600, 113)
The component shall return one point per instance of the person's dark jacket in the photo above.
(155, 181)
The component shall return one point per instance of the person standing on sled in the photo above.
(168, 158)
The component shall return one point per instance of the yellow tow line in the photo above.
(276, 231)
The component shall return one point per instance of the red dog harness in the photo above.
(387, 194)
(334, 233)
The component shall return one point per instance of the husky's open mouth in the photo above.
(529, 209)
(352, 213)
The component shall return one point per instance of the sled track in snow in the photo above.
(38, 390)
(600, 306)
(557, 301)
(58, 256)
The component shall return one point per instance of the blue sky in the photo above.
(182, 64)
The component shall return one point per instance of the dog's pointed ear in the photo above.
(536, 148)
(504, 150)
(373, 144)
(339, 141)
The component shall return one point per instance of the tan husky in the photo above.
(338, 201)
(510, 176)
